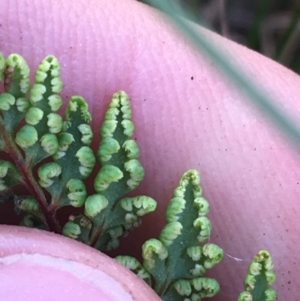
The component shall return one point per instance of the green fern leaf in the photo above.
(120, 173)
(259, 278)
(180, 257)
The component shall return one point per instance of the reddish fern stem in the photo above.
(29, 180)
(96, 235)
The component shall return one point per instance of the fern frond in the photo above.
(51, 156)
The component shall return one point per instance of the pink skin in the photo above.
(250, 172)
(38, 265)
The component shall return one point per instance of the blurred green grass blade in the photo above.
(296, 64)
(193, 7)
(288, 33)
(255, 94)
(253, 36)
